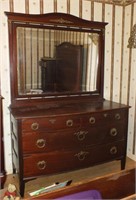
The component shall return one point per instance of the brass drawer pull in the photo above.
(35, 126)
(41, 165)
(81, 155)
(92, 120)
(40, 143)
(81, 135)
(69, 122)
(117, 116)
(113, 132)
(113, 150)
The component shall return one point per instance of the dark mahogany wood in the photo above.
(2, 160)
(54, 72)
(60, 21)
(49, 138)
(65, 132)
(72, 55)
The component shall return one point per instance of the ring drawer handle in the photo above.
(40, 143)
(81, 135)
(81, 155)
(92, 120)
(117, 116)
(113, 132)
(41, 165)
(35, 126)
(69, 122)
(113, 150)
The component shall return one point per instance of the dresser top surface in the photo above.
(58, 109)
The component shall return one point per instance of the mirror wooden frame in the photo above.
(53, 20)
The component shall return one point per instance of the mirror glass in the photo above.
(55, 61)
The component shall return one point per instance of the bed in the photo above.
(119, 185)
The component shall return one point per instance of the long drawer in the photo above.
(59, 161)
(73, 138)
(54, 123)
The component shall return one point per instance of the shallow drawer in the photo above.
(73, 138)
(59, 161)
(101, 118)
(50, 123)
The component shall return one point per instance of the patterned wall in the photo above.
(120, 62)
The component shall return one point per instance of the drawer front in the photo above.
(60, 161)
(73, 121)
(50, 123)
(100, 118)
(73, 138)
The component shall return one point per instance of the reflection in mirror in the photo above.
(51, 61)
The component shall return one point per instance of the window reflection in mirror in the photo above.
(52, 61)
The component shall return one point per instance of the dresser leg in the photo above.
(123, 163)
(2, 180)
(22, 188)
(14, 171)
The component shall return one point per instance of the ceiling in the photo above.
(120, 2)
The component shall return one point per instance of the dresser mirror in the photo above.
(55, 55)
(35, 44)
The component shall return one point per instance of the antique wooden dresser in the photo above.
(2, 160)
(55, 130)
